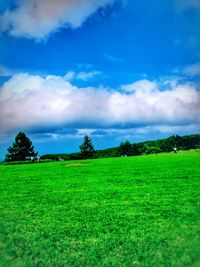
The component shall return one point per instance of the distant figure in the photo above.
(60, 159)
(35, 158)
(175, 150)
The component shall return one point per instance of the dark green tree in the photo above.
(21, 149)
(125, 149)
(87, 148)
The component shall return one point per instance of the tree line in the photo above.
(23, 149)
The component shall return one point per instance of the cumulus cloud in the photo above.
(34, 102)
(142, 86)
(37, 19)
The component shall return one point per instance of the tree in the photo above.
(22, 149)
(87, 148)
(125, 149)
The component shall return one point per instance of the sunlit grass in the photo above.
(135, 211)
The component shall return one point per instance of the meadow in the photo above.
(133, 211)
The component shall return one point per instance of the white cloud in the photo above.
(183, 4)
(192, 70)
(112, 58)
(83, 76)
(33, 102)
(37, 19)
(166, 129)
(141, 86)
(69, 75)
(4, 72)
(187, 71)
(151, 130)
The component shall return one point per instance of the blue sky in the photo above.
(112, 69)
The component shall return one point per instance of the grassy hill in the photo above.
(134, 211)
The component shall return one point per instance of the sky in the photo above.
(113, 69)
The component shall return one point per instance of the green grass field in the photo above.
(135, 211)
